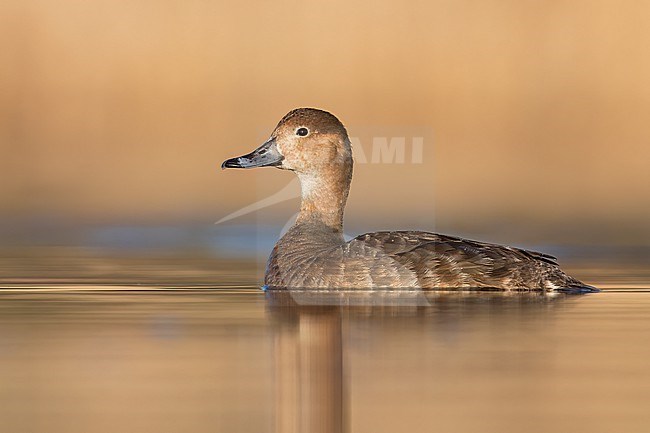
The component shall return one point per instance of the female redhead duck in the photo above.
(314, 255)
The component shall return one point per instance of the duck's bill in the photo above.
(267, 155)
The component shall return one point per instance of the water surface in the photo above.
(90, 356)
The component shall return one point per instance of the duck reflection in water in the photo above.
(309, 328)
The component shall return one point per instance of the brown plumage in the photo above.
(313, 254)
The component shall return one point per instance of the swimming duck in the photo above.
(313, 254)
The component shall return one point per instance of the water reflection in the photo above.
(107, 360)
(308, 355)
(309, 345)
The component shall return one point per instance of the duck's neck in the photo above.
(324, 196)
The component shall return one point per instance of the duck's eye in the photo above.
(302, 132)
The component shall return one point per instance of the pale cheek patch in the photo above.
(284, 164)
(279, 147)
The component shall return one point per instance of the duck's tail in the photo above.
(578, 289)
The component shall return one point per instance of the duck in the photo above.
(313, 253)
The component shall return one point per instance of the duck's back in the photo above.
(447, 262)
(410, 259)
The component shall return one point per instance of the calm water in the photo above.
(88, 355)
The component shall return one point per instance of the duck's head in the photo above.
(307, 141)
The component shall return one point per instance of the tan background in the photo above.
(119, 112)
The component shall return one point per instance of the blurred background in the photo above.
(115, 116)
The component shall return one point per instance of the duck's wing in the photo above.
(441, 261)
